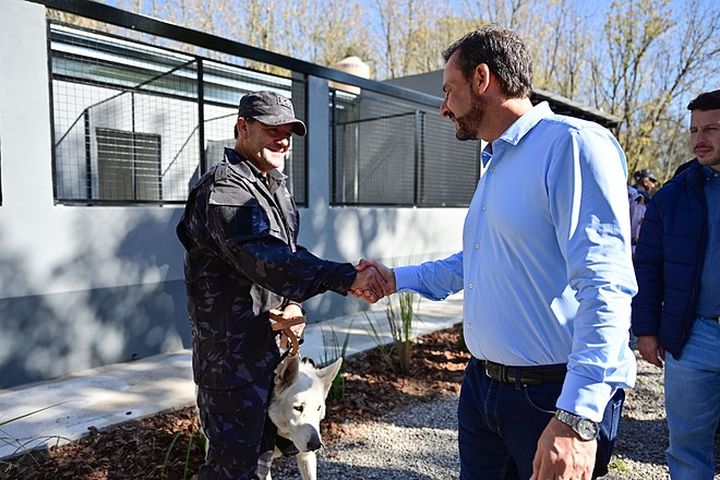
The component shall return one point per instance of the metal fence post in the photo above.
(417, 159)
(201, 115)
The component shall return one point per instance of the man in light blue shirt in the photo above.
(546, 270)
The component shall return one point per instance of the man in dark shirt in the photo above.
(240, 229)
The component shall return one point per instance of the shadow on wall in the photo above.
(46, 336)
(32, 340)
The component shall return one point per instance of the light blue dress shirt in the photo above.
(546, 263)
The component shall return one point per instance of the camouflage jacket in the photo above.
(242, 260)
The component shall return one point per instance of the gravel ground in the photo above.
(419, 441)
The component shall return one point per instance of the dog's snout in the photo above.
(314, 442)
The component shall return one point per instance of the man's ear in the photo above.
(481, 78)
(241, 127)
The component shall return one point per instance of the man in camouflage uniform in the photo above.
(239, 230)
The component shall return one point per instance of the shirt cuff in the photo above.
(583, 398)
(342, 278)
(407, 278)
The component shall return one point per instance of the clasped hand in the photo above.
(373, 281)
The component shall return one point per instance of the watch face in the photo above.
(587, 429)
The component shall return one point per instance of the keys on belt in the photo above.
(533, 375)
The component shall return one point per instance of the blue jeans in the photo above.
(692, 403)
(499, 425)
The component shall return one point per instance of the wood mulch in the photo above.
(169, 446)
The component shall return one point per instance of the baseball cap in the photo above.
(270, 108)
(645, 173)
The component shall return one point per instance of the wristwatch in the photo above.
(585, 428)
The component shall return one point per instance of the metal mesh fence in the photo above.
(449, 169)
(138, 124)
(387, 151)
(134, 123)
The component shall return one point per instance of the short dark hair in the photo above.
(706, 101)
(503, 51)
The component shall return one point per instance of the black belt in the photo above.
(525, 375)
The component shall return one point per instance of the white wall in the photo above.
(84, 286)
(46, 240)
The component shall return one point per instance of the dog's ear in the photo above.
(287, 372)
(328, 374)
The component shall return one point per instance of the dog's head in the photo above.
(298, 402)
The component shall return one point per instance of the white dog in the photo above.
(296, 408)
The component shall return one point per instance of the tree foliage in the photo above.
(641, 60)
(412, 34)
(651, 60)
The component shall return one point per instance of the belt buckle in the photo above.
(493, 371)
(486, 368)
(500, 371)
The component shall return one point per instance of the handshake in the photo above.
(373, 281)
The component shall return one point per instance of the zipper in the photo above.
(698, 269)
(276, 207)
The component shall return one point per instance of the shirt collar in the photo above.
(525, 123)
(710, 172)
(517, 130)
(248, 169)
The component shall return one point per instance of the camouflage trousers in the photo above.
(234, 423)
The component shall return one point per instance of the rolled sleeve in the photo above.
(593, 231)
(582, 396)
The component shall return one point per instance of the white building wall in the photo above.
(85, 286)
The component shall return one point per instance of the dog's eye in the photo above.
(298, 408)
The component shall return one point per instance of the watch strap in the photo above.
(585, 428)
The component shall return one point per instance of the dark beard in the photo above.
(468, 124)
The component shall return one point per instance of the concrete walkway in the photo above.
(62, 410)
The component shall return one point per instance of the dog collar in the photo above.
(286, 446)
